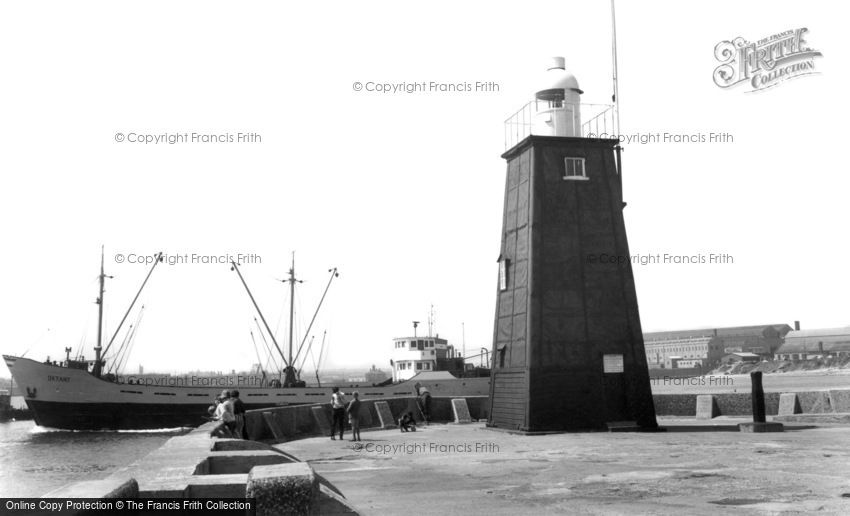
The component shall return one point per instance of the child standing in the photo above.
(353, 410)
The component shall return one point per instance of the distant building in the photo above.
(805, 344)
(413, 355)
(735, 358)
(706, 347)
(375, 375)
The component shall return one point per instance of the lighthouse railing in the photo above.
(599, 122)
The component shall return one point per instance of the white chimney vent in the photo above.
(557, 62)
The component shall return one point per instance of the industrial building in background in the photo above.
(701, 348)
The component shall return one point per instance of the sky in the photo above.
(402, 192)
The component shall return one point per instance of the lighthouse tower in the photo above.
(568, 350)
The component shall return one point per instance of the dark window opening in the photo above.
(574, 168)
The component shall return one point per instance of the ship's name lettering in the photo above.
(51, 378)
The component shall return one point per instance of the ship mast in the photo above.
(291, 304)
(97, 349)
(290, 373)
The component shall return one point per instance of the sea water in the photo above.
(37, 460)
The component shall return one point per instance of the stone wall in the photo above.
(740, 404)
(299, 421)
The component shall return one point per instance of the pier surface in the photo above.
(695, 468)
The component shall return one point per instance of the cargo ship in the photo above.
(69, 397)
(79, 394)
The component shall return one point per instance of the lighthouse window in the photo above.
(574, 168)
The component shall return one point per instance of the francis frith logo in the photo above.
(765, 63)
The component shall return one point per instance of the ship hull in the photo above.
(115, 416)
(74, 399)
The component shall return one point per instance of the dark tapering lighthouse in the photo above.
(568, 350)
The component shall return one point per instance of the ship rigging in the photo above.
(290, 373)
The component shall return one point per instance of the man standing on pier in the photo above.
(338, 406)
(239, 412)
(424, 401)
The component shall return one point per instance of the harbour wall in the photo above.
(741, 404)
(282, 424)
(301, 421)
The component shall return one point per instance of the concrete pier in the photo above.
(200, 465)
(696, 467)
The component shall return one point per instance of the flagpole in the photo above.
(616, 97)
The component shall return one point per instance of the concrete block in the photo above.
(230, 462)
(814, 402)
(109, 487)
(385, 415)
(788, 404)
(768, 426)
(322, 422)
(706, 407)
(461, 411)
(217, 486)
(282, 489)
(840, 400)
(164, 487)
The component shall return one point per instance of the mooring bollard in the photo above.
(758, 397)
(759, 423)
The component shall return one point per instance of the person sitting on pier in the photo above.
(214, 411)
(224, 413)
(407, 423)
